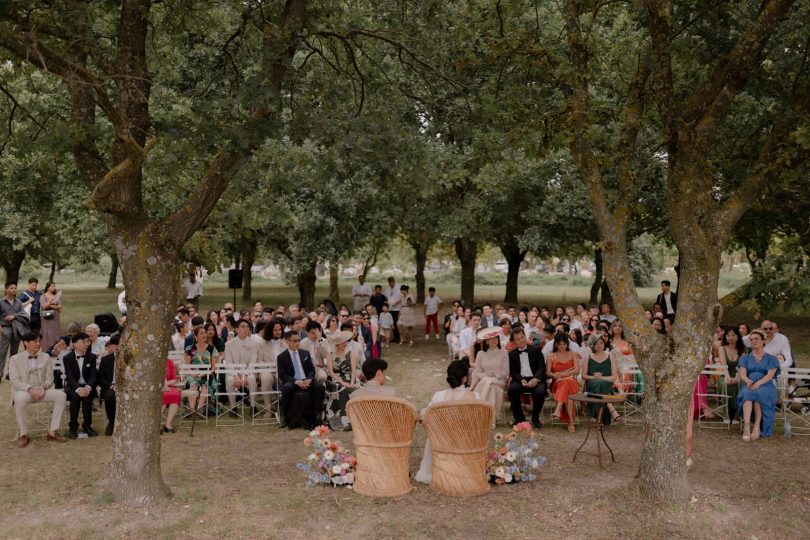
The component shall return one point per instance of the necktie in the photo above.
(299, 371)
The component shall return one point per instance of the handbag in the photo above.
(49, 314)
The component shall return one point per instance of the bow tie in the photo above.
(32, 357)
(522, 350)
(80, 357)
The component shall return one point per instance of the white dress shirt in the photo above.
(780, 345)
(394, 299)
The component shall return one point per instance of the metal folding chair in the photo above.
(716, 396)
(228, 415)
(272, 410)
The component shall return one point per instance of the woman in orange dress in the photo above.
(563, 367)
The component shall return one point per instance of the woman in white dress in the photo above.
(491, 369)
(457, 374)
(407, 315)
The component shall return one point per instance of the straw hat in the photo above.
(341, 336)
(487, 333)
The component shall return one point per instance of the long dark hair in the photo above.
(740, 346)
(558, 338)
(267, 334)
(485, 344)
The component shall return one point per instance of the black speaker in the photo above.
(234, 279)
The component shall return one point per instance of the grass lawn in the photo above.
(242, 482)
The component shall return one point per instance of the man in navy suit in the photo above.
(297, 374)
(527, 368)
(80, 386)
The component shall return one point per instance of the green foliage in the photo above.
(642, 260)
(783, 278)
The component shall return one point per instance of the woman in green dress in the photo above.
(600, 376)
(729, 356)
(200, 352)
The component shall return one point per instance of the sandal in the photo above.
(746, 432)
(571, 428)
(755, 433)
(615, 416)
(556, 415)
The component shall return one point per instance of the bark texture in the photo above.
(113, 279)
(334, 288)
(305, 281)
(248, 258)
(420, 254)
(514, 258)
(598, 278)
(12, 264)
(466, 251)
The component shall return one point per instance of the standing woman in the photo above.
(491, 369)
(730, 354)
(757, 371)
(407, 315)
(563, 367)
(50, 309)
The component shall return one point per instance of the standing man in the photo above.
(394, 305)
(527, 368)
(668, 300)
(9, 339)
(80, 370)
(31, 374)
(432, 306)
(361, 293)
(193, 289)
(378, 299)
(30, 297)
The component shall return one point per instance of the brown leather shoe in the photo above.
(56, 437)
(23, 441)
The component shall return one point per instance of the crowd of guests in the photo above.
(320, 359)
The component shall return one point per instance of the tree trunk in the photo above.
(248, 258)
(607, 297)
(421, 250)
(597, 281)
(151, 277)
(334, 289)
(514, 257)
(52, 275)
(306, 288)
(466, 253)
(113, 271)
(13, 264)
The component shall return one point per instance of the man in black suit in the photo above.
(106, 380)
(527, 367)
(297, 374)
(80, 387)
(668, 300)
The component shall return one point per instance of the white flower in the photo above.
(326, 443)
(511, 456)
(507, 478)
(328, 455)
(313, 434)
(500, 471)
(336, 469)
(312, 457)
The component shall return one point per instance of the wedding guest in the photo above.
(528, 372)
(563, 367)
(50, 311)
(731, 351)
(374, 372)
(31, 376)
(296, 372)
(600, 376)
(758, 371)
(491, 369)
(341, 366)
(106, 381)
(171, 396)
(81, 373)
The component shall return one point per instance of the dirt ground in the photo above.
(243, 483)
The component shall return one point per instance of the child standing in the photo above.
(386, 322)
(432, 306)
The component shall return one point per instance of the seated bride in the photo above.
(457, 375)
(491, 369)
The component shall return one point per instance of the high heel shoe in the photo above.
(168, 430)
(746, 432)
(755, 433)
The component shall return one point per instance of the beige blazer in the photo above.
(373, 388)
(18, 370)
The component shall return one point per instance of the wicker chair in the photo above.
(459, 434)
(383, 433)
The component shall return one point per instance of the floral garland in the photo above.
(328, 462)
(511, 459)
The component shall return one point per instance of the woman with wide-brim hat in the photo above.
(491, 370)
(341, 381)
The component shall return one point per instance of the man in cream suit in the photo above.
(374, 370)
(242, 350)
(31, 375)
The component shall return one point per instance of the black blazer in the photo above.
(673, 297)
(106, 370)
(536, 362)
(286, 371)
(88, 371)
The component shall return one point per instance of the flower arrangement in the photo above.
(328, 462)
(511, 459)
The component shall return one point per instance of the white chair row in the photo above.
(794, 389)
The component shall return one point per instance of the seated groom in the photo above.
(80, 386)
(31, 375)
(297, 375)
(374, 371)
(528, 371)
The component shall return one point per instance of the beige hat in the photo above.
(487, 333)
(341, 336)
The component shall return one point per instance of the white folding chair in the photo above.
(195, 371)
(716, 397)
(633, 391)
(794, 386)
(177, 358)
(228, 415)
(273, 410)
